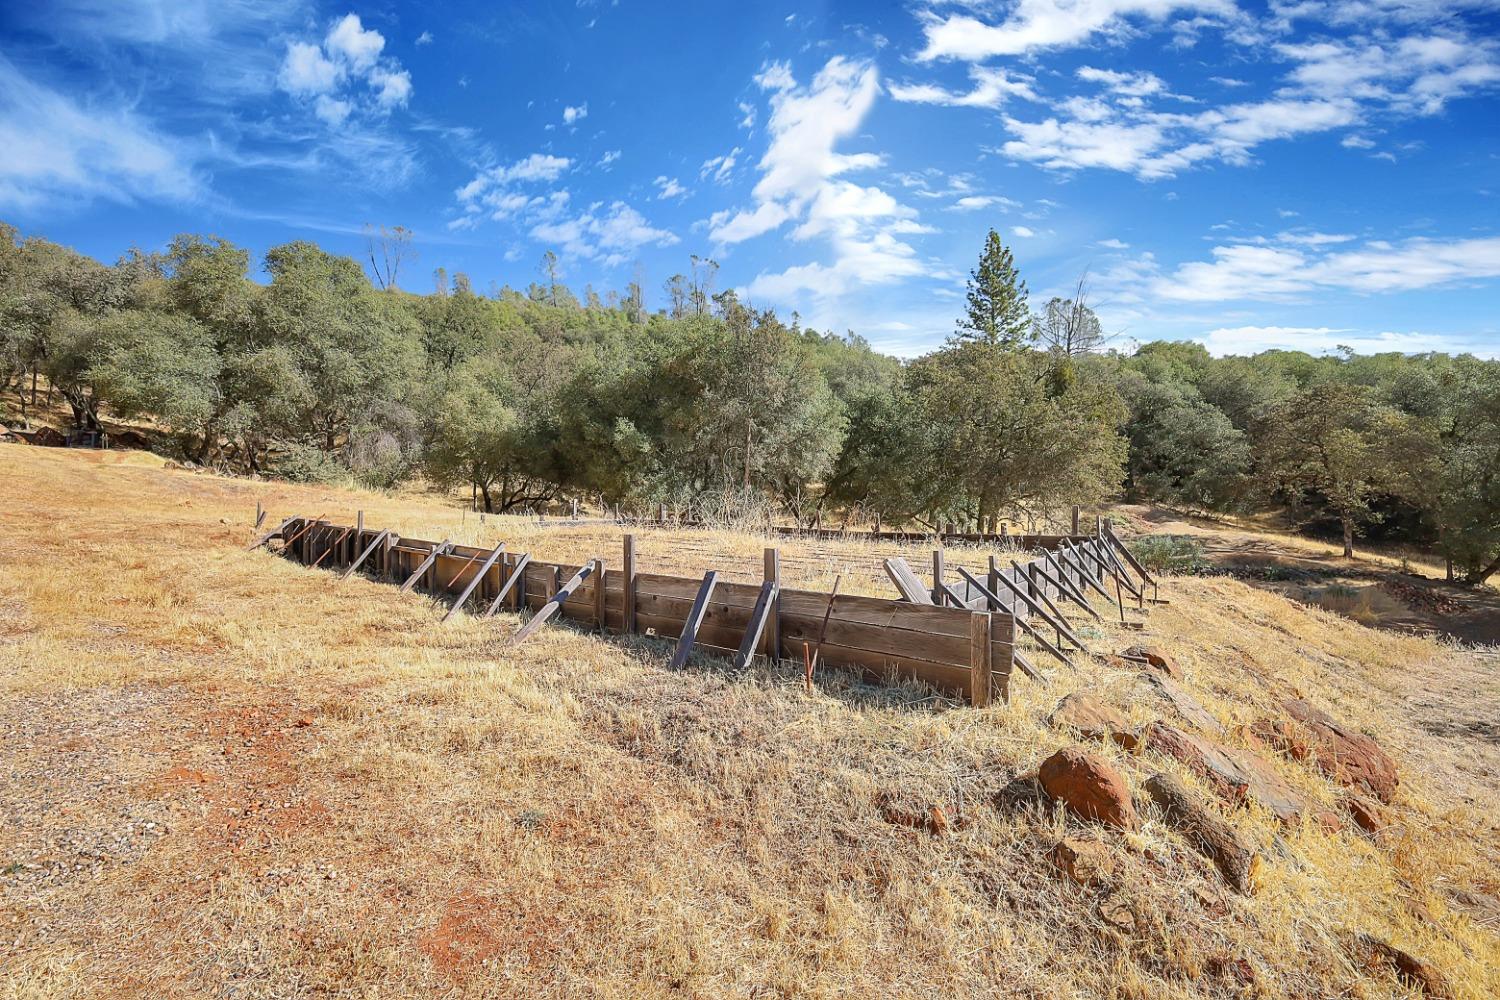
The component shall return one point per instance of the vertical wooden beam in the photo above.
(599, 593)
(628, 568)
(1075, 519)
(260, 515)
(937, 578)
(994, 580)
(980, 667)
(772, 574)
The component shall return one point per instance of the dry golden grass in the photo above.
(227, 775)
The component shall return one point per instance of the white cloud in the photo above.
(802, 180)
(1140, 84)
(328, 74)
(1042, 24)
(331, 109)
(1025, 232)
(1289, 268)
(57, 150)
(1325, 340)
(1114, 244)
(572, 114)
(306, 71)
(975, 202)
(719, 167)
(609, 157)
(392, 87)
(610, 237)
(992, 88)
(667, 187)
(425, 38)
(1354, 141)
(358, 47)
(494, 188)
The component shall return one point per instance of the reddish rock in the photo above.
(1415, 972)
(1237, 775)
(1093, 719)
(1347, 757)
(1366, 814)
(1089, 787)
(1086, 862)
(1157, 659)
(1188, 708)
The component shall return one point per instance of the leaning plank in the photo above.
(1130, 556)
(432, 556)
(1066, 586)
(478, 578)
(906, 581)
(758, 618)
(695, 619)
(1026, 667)
(365, 554)
(1076, 562)
(1020, 619)
(263, 539)
(517, 572)
(1039, 611)
(1041, 593)
(553, 606)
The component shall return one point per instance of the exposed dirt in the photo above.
(1372, 588)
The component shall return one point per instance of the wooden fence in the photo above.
(959, 635)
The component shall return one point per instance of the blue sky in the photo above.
(1304, 174)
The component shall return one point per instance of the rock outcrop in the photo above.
(1090, 788)
(1216, 839)
(1093, 719)
(1237, 775)
(1156, 659)
(1351, 759)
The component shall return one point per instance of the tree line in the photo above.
(710, 405)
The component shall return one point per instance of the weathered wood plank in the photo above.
(762, 612)
(475, 582)
(553, 605)
(365, 554)
(517, 573)
(980, 650)
(694, 619)
(425, 564)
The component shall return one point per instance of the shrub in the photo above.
(1177, 555)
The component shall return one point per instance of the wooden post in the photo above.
(661, 513)
(599, 593)
(627, 566)
(772, 641)
(937, 578)
(1075, 519)
(260, 515)
(575, 508)
(980, 667)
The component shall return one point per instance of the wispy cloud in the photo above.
(58, 149)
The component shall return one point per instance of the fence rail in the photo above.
(961, 640)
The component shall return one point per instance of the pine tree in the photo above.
(997, 311)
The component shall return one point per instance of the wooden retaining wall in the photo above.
(963, 650)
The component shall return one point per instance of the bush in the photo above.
(1177, 555)
(305, 464)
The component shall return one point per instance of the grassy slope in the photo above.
(348, 798)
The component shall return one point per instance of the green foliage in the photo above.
(724, 411)
(1171, 555)
(996, 312)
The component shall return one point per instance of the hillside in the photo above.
(226, 774)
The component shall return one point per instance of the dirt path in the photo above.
(1371, 590)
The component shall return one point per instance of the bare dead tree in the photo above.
(388, 247)
(1069, 326)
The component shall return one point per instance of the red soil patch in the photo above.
(475, 931)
